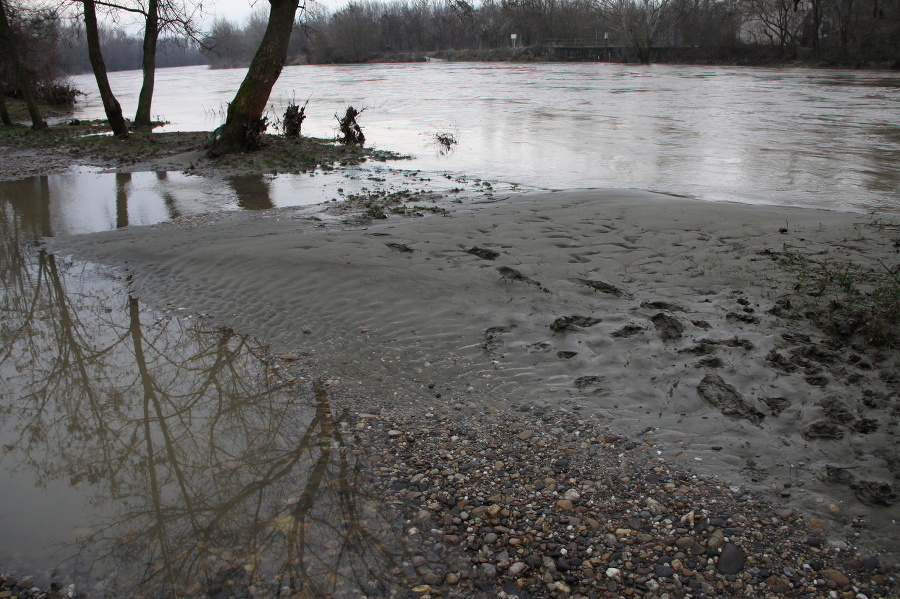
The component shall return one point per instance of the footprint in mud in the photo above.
(869, 492)
(669, 327)
(659, 305)
(629, 330)
(583, 382)
(483, 253)
(535, 348)
(492, 338)
(573, 323)
(740, 317)
(511, 274)
(838, 418)
(824, 429)
(602, 286)
(725, 398)
(400, 247)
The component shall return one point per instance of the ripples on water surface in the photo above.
(826, 138)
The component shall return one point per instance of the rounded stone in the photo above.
(489, 571)
(664, 571)
(731, 560)
(838, 577)
(685, 542)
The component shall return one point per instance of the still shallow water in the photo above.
(149, 455)
(827, 138)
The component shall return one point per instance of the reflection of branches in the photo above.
(187, 449)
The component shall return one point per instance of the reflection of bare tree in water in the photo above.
(213, 475)
(253, 191)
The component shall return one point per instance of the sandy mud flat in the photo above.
(685, 330)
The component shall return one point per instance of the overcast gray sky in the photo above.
(239, 11)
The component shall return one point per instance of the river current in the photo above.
(824, 138)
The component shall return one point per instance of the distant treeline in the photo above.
(863, 33)
(850, 32)
(122, 52)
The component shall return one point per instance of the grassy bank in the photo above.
(90, 142)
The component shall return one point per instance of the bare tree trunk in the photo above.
(148, 65)
(6, 39)
(246, 109)
(817, 25)
(4, 114)
(110, 104)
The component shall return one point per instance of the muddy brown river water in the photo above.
(826, 138)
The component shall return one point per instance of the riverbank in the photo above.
(65, 145)
(591, 392)
(711, 358)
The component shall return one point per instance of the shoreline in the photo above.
(681, 303)
(483, 365)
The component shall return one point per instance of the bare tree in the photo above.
(244, 119)
(110, 104)
(4, 113)
(8, 42)
(641, 22)
(773, 21)
(158, 16)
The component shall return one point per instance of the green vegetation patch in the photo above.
(379, 204)
(849, 301)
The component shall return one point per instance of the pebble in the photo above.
(685, 542)
(716, 540)
(837, 577)
(489, 571)
(731, 560)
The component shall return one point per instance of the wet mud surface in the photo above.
(686, 342)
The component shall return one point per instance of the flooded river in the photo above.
(828, 138)
(132, 437)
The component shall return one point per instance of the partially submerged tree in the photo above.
(148, 64)
(158, 16)
(110, 104)
(294, 115)
(351, 132)
(242, 124)
(11, 50)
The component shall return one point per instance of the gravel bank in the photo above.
(552, 505)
